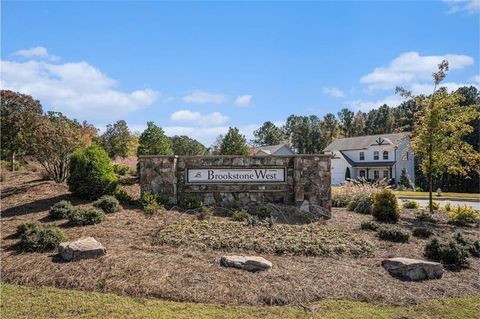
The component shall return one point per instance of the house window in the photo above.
(362, 173)
(375, 155)
(386, 174)
(362, 156)
(376, 175)
(385, 155)
(407, 156)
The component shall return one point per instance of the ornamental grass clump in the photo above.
(463, 216)
(149, 202)
(354, 192)
(61, 210)
(109, 204)
(83, 217)
(385, 206)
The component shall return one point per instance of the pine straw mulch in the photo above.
(135, 266)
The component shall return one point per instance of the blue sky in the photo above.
(198, 68)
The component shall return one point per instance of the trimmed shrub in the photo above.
(91, 173)
(385, 206)
(83, 217)
(124, 198)
(425, 216)
(422, 232)
(120, 169)
(447, 251)
(107, 203)
(473, 246)
(393, 233)
(149, 202)
(369, 225)
(41, 238)
(351, 205)
(191, 202)
(61, 210)
(261, 212)
(410, 204)
(240, 215)
(364, 206)
(26, 227)
(463, 215)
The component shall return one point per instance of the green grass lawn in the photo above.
(444, 195)
(28, 302)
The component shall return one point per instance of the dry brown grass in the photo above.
(133, 266)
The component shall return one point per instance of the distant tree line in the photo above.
(26, 131)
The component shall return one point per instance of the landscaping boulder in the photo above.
(249, 263)
(413, 269)
(83, 248)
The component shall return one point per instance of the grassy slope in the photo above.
(27, 302)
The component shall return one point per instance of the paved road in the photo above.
(424, 202)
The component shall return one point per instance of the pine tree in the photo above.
(347, 173)
(404, 180)
(153, 141)
(234, 143)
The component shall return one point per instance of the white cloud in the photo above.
(411, 67)
(365, 106)
(187, 116)
(470, 6)
(36, 52)
(334, 92)
(78, 89)
(202, 97)
(243, 100)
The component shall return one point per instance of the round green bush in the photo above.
(61, 210)
(352, 205)
(41, 238)
(410, 204)
(91, 173)
(369, 225)
(393, 233)
(385, 206)
(26, 227)
(83, 217)
(422, 232)
(107, 203)
(447, 251)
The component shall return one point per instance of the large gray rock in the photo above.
(413, 269)
(83, 248)
(249, 263)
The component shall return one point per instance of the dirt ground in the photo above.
(134, 266)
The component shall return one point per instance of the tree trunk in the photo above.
(12, 161)
(430, 179)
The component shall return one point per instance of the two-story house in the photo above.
(372, 157)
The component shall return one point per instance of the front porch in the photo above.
(374, 173)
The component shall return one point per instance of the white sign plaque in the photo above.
(235, 175)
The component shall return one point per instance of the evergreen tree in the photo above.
(346, 118)
(116, 139)
(304, 133)
(153, 141)
(268, 134)
(234, 143)
(183, 145)
(404, 179)
(347, 173)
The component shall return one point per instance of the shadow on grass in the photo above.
(39, 205)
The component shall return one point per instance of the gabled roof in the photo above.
(271, 149)
(363, 142)
(366, 164)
